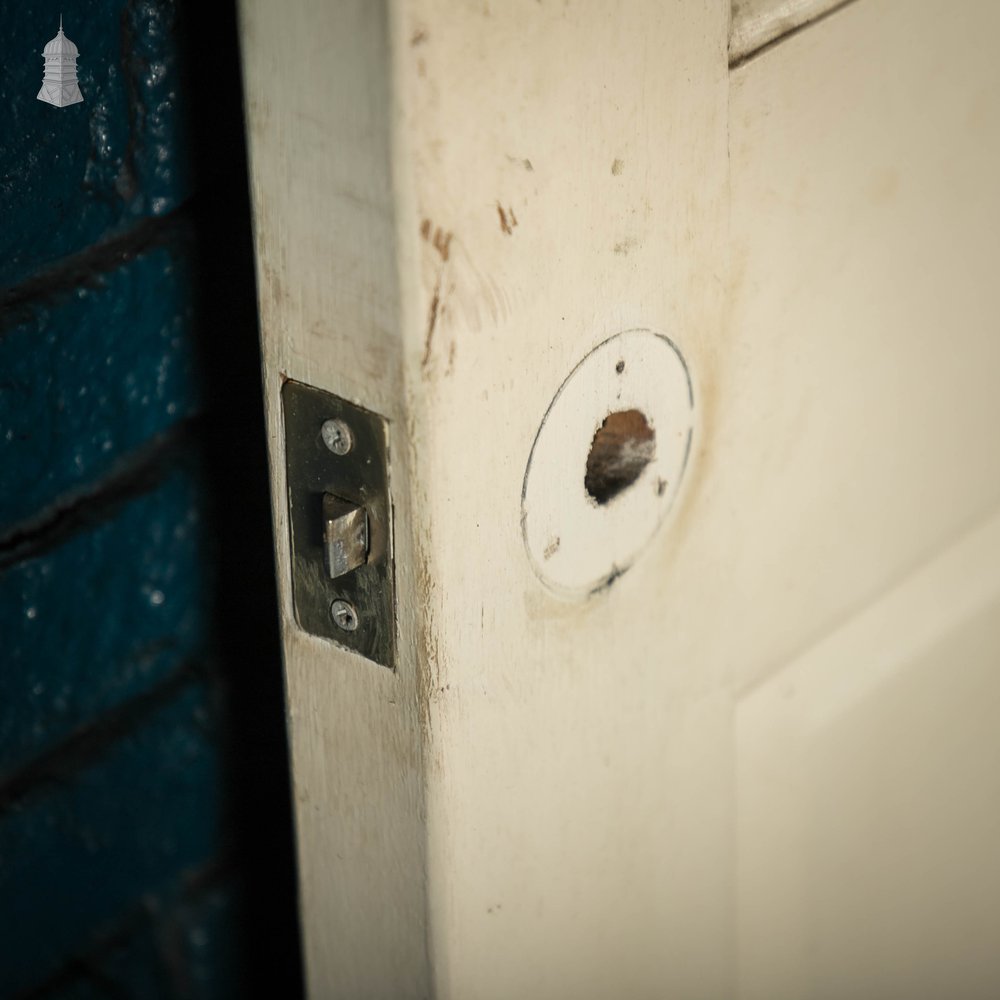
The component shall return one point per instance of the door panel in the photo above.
(864, 238)
(868, 806)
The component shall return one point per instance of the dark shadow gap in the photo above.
(248, 639)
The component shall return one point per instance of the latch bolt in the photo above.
(345, 535)
(340, 521)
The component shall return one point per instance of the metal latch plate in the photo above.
(327, 474)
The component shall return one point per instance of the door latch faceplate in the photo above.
(340, 521)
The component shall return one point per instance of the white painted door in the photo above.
(697, 658)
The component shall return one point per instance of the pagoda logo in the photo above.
(59, 86)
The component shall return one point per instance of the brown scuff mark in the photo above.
(441, 243)
(617, 167)
(437, 237)
(432, 318)
(624, 246)
(462, 290)
(451, 358)
(552, 548)
(418, 37)
(508, 220)
(440, 239)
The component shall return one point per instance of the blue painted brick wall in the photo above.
(84, 384)
(70, 177)
(183, 949)
(145, 834)
(78, 853)
(101, 618)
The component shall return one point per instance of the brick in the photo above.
(188, 948)
(102, 618)
(129, 825)
(132, 966)
(206, 941)
(91, 376)
(72, 176)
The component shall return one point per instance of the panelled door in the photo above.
(631, 377)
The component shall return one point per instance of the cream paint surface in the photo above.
(581, 820)
(563, 822)
(317, 92)
(868, 813)
(756, 22)
(864, 235)
(869, 810)
(454, 203)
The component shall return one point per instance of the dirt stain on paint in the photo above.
(617, 167)
(433, 312)
(526, 163)
(508, 220)
(437, 237)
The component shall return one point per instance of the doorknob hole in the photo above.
(623, 446)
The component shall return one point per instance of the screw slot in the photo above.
(344, 616)
(337, 436)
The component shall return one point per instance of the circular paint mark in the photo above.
(607, 462)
